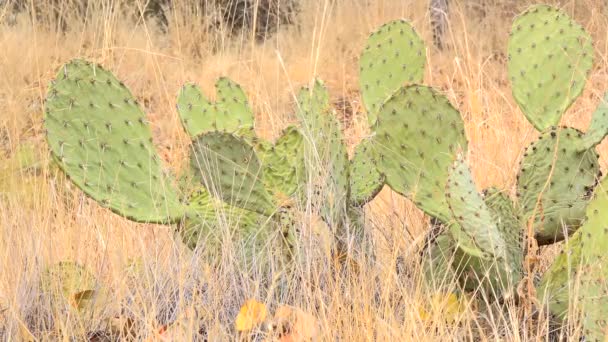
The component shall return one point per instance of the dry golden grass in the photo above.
(44, 220)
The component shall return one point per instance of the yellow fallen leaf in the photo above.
(295, 325)
(252, 313)
(449, 307)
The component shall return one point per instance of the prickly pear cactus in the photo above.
(578, 277)
(325, 154)
(418, 135)
(365, 180)
(394, 56)
(550, 56)
(230, 112)
(70, 286)
(232, 171)
(283, 162)
(594, 276)
(101, 139)
(555, 181)
(559, 286)
(598, 129)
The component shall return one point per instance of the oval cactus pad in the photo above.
(101, 139)
(418, 135)
(550, 56)
(393, 57)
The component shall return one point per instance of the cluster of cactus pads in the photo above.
(101, 139)
(417, 146)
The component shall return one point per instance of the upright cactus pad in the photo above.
(418, 135)
(550, 56)
(365, 180)
(555, 181)
(284, 169)
(472, 214)
(326, 155)
(101, 139)
(505, 215)
(558, 286)
(437, 261)
(598, 129)
(505, 276)
(230, 112)
(578, 277)
(488, 225)
(594, 277)
(393, 57)
(231, 169)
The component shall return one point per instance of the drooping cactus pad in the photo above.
(555, 181)
(230, 112)
(365, 180)
(231, 170)
(393, 57)
(549, 58)
(418, 135)
(101, 139)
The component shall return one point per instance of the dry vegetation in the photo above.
(44, 220)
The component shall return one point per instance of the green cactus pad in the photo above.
(438, 256)
(558, 284)
(70, 286)
(505, 214)
(365, 180)
(325, 153)
(394, 56)
(231, 170)
(284, 169)
(207, 216)
(502, 276)
(594, 277)
(472, 214)
(491, 224)
(550, 56)
(495, 278)
(578, 276)
(598, 129)
(230, 112)
(418, 135)
(554, 169)
(101, 139)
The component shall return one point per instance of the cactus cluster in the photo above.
(101, 139)
(418, 134)
(417, 146)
